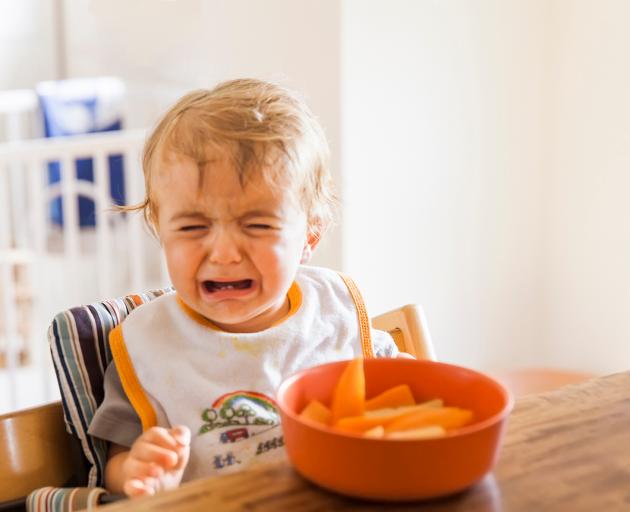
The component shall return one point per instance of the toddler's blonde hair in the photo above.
(263, 127)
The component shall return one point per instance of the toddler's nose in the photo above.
(223, 248)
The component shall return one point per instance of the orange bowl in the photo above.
(396, 470)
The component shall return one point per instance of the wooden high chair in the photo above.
(45, 452)
(35, 451)
(46, 449)
(408, 326)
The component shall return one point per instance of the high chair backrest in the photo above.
(80, 351)
(79, 346)
(408, 326)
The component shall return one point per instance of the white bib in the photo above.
(222, 385)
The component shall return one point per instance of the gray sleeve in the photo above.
(115, 420)
(383, 344)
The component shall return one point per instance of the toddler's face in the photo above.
(232, 251)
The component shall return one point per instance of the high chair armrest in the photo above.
(106, 498)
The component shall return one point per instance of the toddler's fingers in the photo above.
(136, 468)
(146, 451)
(136, 487)
(181, 434)
(160, 436)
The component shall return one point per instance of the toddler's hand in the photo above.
(156, 461)
(404, 355)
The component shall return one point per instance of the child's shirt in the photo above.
(182, 369)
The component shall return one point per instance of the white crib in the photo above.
(45, 268)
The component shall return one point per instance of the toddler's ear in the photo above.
(307, 252)
(312, 239)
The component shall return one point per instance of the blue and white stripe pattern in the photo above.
(80, 351)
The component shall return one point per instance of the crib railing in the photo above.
(46, 267)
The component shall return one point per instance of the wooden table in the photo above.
(567, 450)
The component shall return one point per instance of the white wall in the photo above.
(588, 230)
(443, 130)
(27, 43)
(197, 43)
(28, 54)
(487, 146)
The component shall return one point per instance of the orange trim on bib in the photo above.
(129, 379)
(364, 321)
(294, 295)
(137, 300)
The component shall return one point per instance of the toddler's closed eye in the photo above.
(192, 227)
(259, 226)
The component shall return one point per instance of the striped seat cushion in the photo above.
(80, 351)
(51, 499)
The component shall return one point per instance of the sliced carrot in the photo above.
(446, 417)
(398, 396)
(388, 411)
(349, 393)
(360, 424)
(375, 433)
(316, 411)
(382, 417)
(418, 433)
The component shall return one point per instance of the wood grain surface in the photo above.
(567, 450)
(27, 438)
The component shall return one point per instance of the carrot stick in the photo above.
(382, 417)
(388, 411)
(349, 393)
(398, 396)
(375, 433)
(446, 417)
(418, 433)
(316, 411)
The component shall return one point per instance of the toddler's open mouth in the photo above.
(217, 286)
